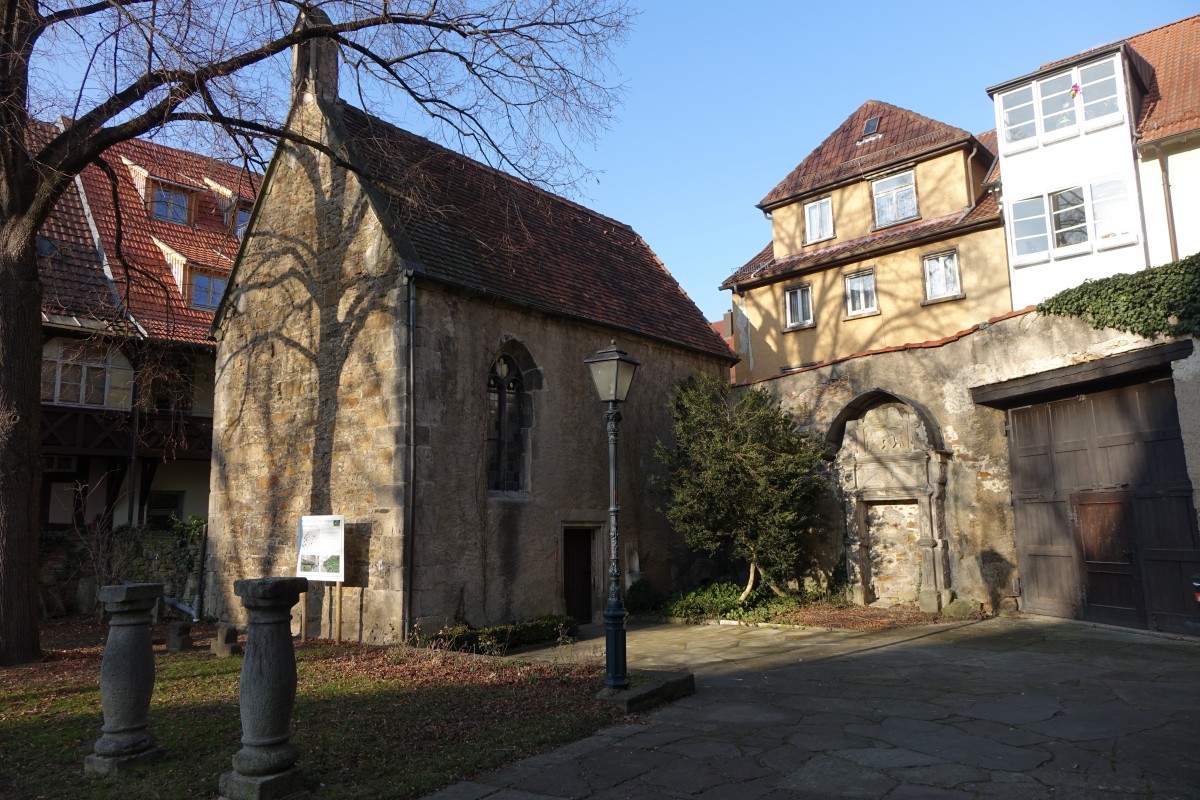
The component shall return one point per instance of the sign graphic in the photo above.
(322, 548)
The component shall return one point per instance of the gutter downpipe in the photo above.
(1165, 173)
(410, 451)
(971, 178)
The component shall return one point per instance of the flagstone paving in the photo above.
(1009, 708)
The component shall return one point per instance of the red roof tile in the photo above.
(1172, 104)
(140, 269)
(847, 152)
(486, 231)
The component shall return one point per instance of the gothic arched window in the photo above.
(506, 436)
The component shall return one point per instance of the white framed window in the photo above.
(860, 293)
(241, 218)
(170, 204)
(941, 276)
(797, 306)
(818, 220)
(895, 199)
(83, 374)
(1054, 107)
(1072, 221)
(206, 290)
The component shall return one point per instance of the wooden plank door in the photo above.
(1112, 578)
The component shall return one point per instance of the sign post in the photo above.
(321, 556)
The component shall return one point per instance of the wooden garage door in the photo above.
(1105, 524)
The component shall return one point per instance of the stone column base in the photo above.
(117, 765)
(235, 786)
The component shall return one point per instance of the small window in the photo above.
(59, 464)
(506, 439)
(818, 220)
(1029, 227)
(207, 290)
(241, 218)
(170, 204)
(871, 126)
(797, 302)
(83, 374)
(895, 199)
(161, 507)
(1098, 85)
(1069, 217)
(860, 293)
(1017, 115)
(941, 276)
(1110, 207)
(1058, 102)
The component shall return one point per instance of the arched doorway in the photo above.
(892, 470)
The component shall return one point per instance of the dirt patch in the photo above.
(857, 618)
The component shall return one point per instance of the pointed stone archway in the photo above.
(892, 469)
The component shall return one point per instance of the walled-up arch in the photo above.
(512, 376)
(892, 467)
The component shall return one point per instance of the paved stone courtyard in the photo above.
(1007, 708)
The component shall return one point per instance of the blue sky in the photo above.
(724, 99)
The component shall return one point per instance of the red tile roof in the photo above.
(1172, 104)
(847, 153)
(483, 230)
(141, 273)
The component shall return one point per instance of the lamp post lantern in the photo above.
(612, 370)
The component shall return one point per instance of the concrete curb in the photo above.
(648, 690)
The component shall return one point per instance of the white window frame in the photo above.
(170, 203)
(1061, 105)
(823, 229)
(892, 196)
(854, 307)
(794, 315)
(1052, 220)
(945, 267)
(202, 297)
(93, 366)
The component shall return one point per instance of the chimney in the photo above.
(314, 62)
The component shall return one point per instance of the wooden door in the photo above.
(577, 573)
(1105, 522)
(1112, 580)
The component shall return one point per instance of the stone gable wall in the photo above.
(308, 403)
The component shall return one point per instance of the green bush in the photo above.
(717, 600)
(497, 639)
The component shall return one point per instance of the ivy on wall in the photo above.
(1161, 300)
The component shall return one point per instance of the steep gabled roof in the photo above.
(848, 152)
(479, 229)
(133, 240)
(1172, 103)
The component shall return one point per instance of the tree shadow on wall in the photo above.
(303, 296)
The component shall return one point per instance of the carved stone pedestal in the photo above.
(126, 681)
(264, 769)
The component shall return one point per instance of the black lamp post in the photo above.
(612, 371)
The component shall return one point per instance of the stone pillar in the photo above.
(126, 681)
(265, 766)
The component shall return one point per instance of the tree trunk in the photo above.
(20, 456)
(749, 583)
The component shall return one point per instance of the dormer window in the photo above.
(895, 199)
(241, 218)
(170, 204)
(206, 290)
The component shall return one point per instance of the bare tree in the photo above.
(514, 82)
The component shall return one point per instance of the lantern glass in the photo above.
(612, 372)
